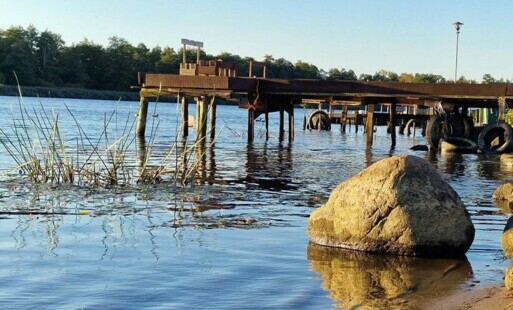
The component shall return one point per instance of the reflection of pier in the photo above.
(264, 95)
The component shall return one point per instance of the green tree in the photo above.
(48, 50)
(305, 70)
(18, 54)
(342, 74)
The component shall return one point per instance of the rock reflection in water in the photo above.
(358, 279)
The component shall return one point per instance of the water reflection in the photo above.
(357, 279)
(453, 163)
(488, 167)
(270, 168)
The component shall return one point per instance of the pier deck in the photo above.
(264, 95)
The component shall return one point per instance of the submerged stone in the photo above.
(508, 278)
(504, 192)
(400, 205)
(507, 239)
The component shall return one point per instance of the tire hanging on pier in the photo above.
(496, 138)
(409, 125)
(319, 120)
(458, 125)
(454, 125)
(435, 131)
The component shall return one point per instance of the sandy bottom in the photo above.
(494, 297)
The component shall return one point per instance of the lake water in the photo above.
(234, 240)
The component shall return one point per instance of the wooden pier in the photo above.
(266, 95)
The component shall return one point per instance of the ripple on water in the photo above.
(239, 232)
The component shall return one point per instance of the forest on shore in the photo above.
(42, 59)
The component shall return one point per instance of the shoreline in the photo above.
(68, 92)
(489, 296)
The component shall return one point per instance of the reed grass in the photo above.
(41, 153)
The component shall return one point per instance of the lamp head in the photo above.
(457, 25)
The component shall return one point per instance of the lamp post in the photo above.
(457, 25)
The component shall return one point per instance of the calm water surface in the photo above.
(238, 240)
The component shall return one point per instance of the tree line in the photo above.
(42, 58)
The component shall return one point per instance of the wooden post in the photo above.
(185, 116)
(197, 121)
(393, 106)
(291, 123)
(281, 123)
(251, 125)
(141, 117)
(183, 54)
(266, 125)
(370, 122)
(356, 121)
(213, 111)
(202, 119)
(344, 118)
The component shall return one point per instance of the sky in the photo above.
(413, 36)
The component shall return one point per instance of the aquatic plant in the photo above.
(42, 154)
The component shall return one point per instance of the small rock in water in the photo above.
(503, 192)
(419, 147)
(507, 159)
(508, 278)
(507, 239)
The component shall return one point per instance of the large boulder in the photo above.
(400, 205)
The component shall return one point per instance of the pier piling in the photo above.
(141, 117)
(393, 106)
(370, 124)
(202, 118)
(185, 116)
(281, 134)
(291, 123)
(213, 112)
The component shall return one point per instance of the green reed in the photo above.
(43, 155)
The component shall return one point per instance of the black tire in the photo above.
(409, 125)
(434, 131)
(501, 131)
(319, 118)
(457, 145)
(458, 126)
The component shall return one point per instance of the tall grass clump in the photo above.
(36, 144)
(41, 152)
(180, 164)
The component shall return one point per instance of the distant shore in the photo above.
(69, 92)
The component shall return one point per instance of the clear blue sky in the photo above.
(363, 35)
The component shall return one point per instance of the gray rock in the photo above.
(400, 205)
